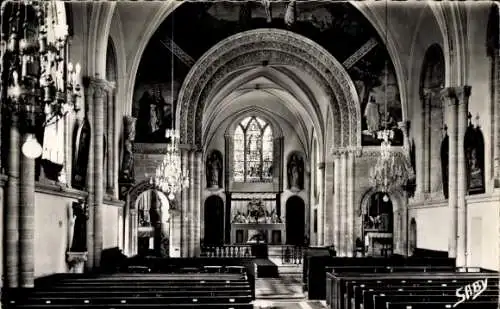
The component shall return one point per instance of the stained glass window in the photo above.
(253, 151)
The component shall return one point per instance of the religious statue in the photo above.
(155, 116)
(295, 173)
(372, 115)
(474, 154)
(81, 148)
(127, 170)
(79, 239)
(214, 169)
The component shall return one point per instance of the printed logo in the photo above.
(470, 291)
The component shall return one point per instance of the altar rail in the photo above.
(228, 251)
(291, 254)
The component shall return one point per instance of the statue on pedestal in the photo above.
(127, 170)
(295, 172)
(81, 148)
(214, 170)
(79, 239)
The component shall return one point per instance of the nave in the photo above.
(181, 154)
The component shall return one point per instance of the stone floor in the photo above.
(283, 293)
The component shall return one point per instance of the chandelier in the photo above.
(41, 85)
(169, 176)
(388, 174)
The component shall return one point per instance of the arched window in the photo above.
(253, 151)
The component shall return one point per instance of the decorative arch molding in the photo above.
(273, 47)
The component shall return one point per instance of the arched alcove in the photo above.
(214, 221)
(153, 223)
(161, 228)
(295, 221)
(378, 223)
(432, 80)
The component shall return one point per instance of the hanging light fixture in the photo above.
(40, 82)
(170, 177)
(388, 174)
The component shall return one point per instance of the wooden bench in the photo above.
(374, 290)
(189, 290)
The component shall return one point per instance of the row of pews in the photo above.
(209, 286)
(412, 290)
(398, 282)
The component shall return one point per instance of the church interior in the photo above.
(250, 154)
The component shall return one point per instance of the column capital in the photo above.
(456, 95)
(462, 94)
(97, 86)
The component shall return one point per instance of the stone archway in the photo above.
(131, 217)
(269, 47)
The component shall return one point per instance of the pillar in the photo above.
(184, 208)
(427, 140)
(189, 220)
(99, 89)
(325, 205)
(68, 142)
(27, 222)
(110, 181)
(462, 94)
(350, 204)
(343, 204)
(89, 111)
(451, 111)
(12, 210)
(197, 185)
(403, 212)
(336, 204)
(496, 115)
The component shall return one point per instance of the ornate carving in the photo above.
(275, 47)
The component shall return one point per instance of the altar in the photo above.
(270, 233)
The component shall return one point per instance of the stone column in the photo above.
(462, 94)
(197, 184)
(350, 204)
(184, 207)
(68, 142)
(12, 210)
(450, 99)
(110, 182)
(337, 203)
(100, 89)
(426, 140)
(325, 205)
(89, 107)
(191, 204)
(496, 126)
(403, 212)
(116, 148)
(343, 204)
(27, 222)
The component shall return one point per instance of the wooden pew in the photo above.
(126, 290)
(350, 290)
(317, 267)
